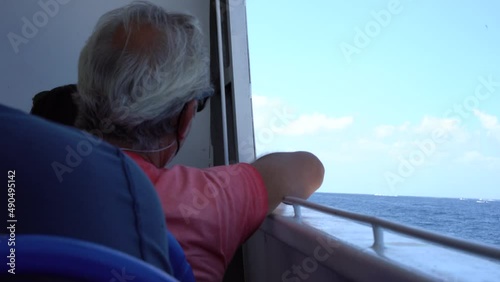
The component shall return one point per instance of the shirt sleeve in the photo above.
(246, 201)
(211, 211)
(239, 200)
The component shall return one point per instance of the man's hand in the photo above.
(296, 174)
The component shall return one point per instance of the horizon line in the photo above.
(387, 195)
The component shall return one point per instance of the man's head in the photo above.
(56, 105)
(140, 76)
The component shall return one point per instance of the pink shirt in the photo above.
(211, 211)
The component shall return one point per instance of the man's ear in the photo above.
(185, 119)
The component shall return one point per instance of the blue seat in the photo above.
(70, 184)
(74, 260)
(180, 268)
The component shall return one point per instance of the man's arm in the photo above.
(296, 174)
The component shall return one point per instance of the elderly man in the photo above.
(142, 76)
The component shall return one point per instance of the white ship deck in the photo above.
(285, 241)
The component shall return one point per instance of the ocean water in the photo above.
(470, 219)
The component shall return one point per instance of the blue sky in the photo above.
(395, 97)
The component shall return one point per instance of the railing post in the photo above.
(378, 237)
(297, 211)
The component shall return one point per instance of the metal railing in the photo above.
(379, 224)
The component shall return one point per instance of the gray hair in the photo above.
(135, 95)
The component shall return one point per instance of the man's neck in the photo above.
(159, 159)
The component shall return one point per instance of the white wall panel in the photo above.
(47, 55)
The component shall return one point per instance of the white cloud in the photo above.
(266, 109)
(476, 158)
(490, 123)
(314, 123)
(277, 124)
(263, 101)
(462, 145)
(371, 145)
(428, 125)
(441, 140)
(383, 131)
(274, 114)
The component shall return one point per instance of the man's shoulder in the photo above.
(240, 174)
(238, 171)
